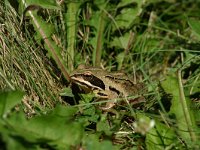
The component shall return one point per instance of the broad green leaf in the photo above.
(47, 28)
(8, 100)
(101, 4)
(87, 98)
(159, 137)
(144, 43)
(65, 111)
(125, 3)
(70, 135)
(67, 92)
(128, 15)
(121, 42)
(93, 21)
(12, 143)
(92, 142)
(171, 86)
(195, 26)
(56, 128)
(90, 112)
(48, 4)
(103, 126)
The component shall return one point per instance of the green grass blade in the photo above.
(71, 22)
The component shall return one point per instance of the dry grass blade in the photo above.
(24, 65)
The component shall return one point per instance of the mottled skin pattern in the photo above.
(107, 85)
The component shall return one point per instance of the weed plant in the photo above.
(155, 41)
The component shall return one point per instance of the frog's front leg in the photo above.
(108, 108)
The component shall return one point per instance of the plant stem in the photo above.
(50, 47)
(71, 20)
(97, 58)
(185, 107)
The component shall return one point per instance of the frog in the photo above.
(106, 85)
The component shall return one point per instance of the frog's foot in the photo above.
(109, 109)
(108, 106)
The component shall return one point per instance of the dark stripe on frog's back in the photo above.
(93, 80)
(114, 90)
(102, 94)
(127, 84)
(120, 80)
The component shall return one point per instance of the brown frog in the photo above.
(107, 85)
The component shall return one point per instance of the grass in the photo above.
(156, 41)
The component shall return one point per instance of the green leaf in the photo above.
(171, 86)
(101, 4)
(92, 142)
(8, 100)
(121, 42)
(12, 143)
(90, 113)
(57, 128)
(48, 4)
(67, 92)
(195, 26)
(65, 111)
(125, 3)
(128, 15)
(47, 28)
(87, 98)
(103, 126)
(159, 137)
